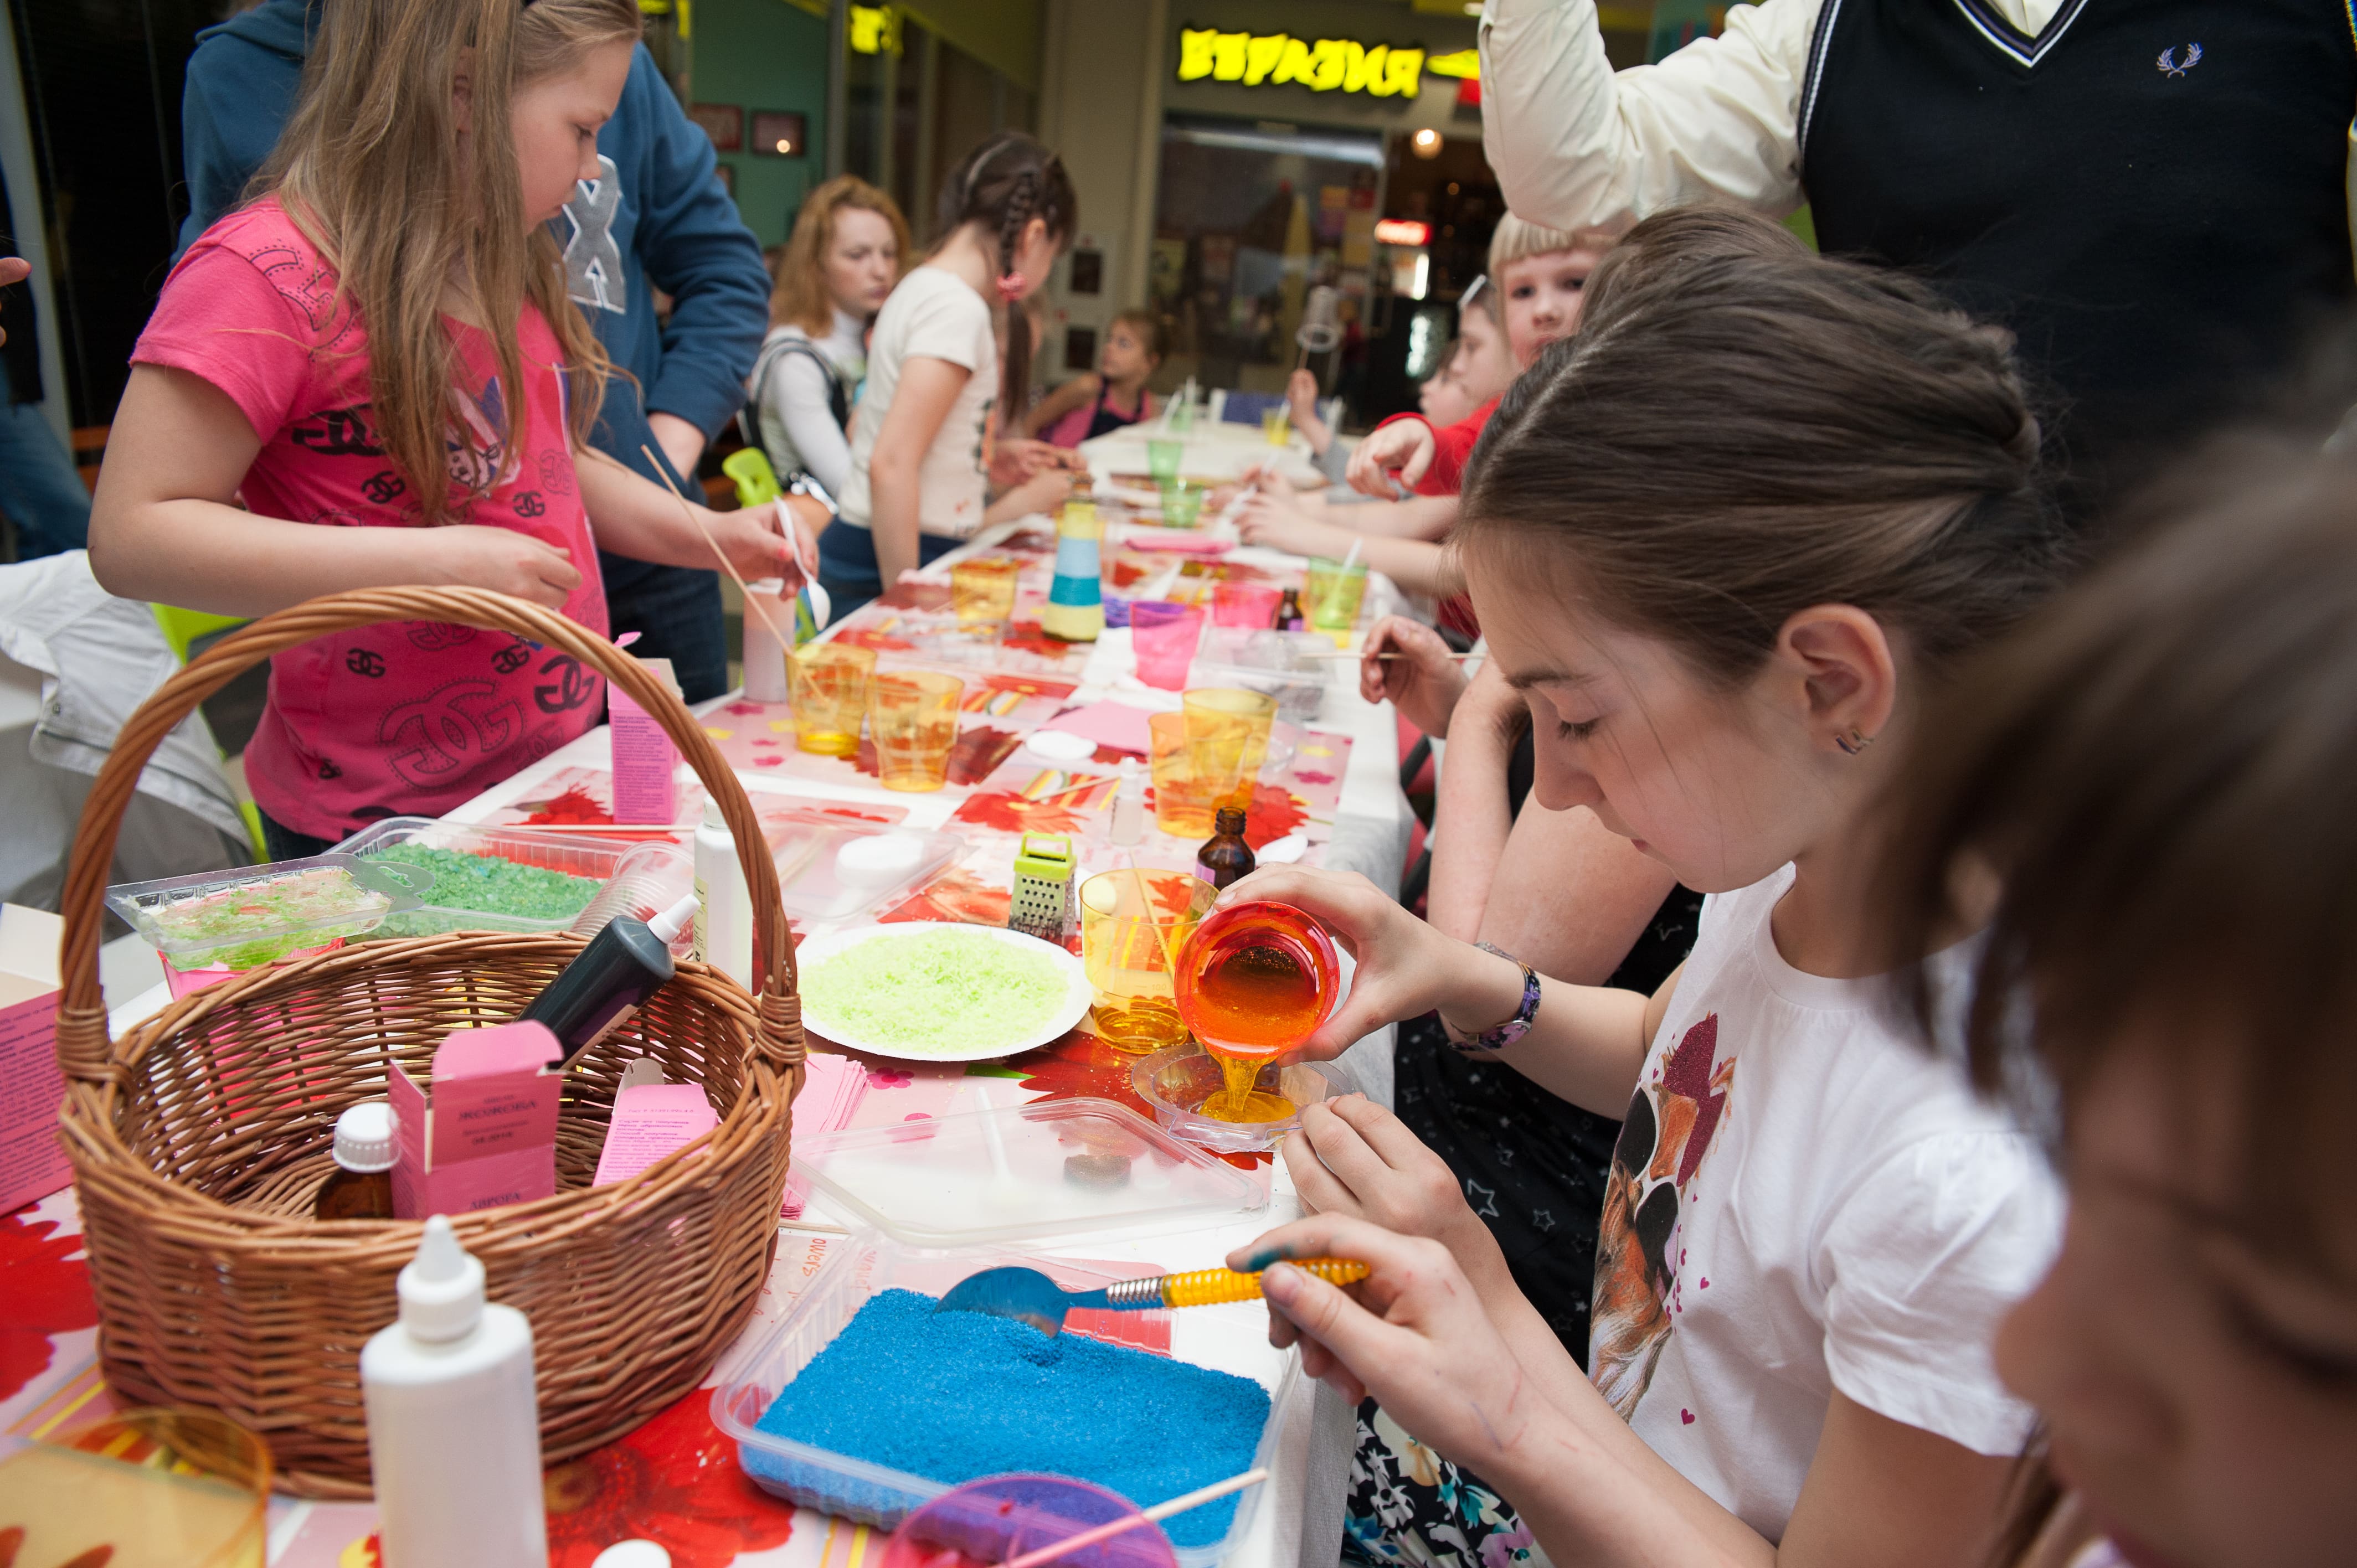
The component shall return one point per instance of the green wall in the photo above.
(765, 54)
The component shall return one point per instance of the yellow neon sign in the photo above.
(874, 29)
(1327, 65)
(1463, 65)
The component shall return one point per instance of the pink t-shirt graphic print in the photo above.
(412, 717)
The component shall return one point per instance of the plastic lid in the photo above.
(1006, 1174)
(364, 1136)
(712, 817)
(441, 1289)
(668, 925)
(633, 1554)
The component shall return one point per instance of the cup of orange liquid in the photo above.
(982, 593)
(142, 1488)
(1254, 982)
(1133, 923)
(827, 684)
(913, 716)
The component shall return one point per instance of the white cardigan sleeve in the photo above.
(1575, 143)
(794, 401)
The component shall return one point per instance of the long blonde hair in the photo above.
(800, 299)
(373, 168)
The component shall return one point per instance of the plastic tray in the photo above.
(1231, 1339)
(364, 896)
(549, 850)
(1274, 663)
(1181, 1076)
(818, 885)
(988, 1177)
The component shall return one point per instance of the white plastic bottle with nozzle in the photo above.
(1129, 804)
(724, 920)
(453, 1420)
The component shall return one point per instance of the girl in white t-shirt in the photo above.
(1727, 541)
(923, 436)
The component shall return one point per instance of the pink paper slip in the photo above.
(1107, 723)
(652, 1120)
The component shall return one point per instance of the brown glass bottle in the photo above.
(1225, 856)
(360, 1187)
(1288, 611)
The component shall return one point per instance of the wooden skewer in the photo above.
(1178, 1505)
(1345, 653)
(725, 564)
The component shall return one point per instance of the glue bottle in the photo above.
(1129, 804)
(608, 981)
(724, 920)
(454, 1421)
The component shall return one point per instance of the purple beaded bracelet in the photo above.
(1514, 1028)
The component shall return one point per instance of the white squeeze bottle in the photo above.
(723, 916)
(453, 1421)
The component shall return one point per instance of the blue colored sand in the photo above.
(958, 1395)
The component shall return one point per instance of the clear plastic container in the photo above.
(1278, 663)
(256, 914)
(1173, 1082)
(651, 879)
(833, 869)
(594, 864)
(1231, 1339)
(1051, 1168)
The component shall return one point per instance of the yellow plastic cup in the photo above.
(157, 1488)
(1132, 925)
(827, 684)
(983, 592)
(1193, 773)
(913, 716)
(1277, 424)
(1218, 711)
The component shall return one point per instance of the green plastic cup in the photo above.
(1162, 459)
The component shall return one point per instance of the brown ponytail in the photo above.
(1742, 430)
(1003, 183)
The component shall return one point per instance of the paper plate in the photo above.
(1069, 1012)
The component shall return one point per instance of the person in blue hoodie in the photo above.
(660, 218)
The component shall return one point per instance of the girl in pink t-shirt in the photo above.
(377, 358)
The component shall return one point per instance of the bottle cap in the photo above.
(441, 1289)
(668, 925)
(712, 817)
(364, 1136)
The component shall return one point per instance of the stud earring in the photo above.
(1853, 743)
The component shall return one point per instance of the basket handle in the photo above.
(84, 1051)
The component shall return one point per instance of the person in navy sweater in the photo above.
(660, 218)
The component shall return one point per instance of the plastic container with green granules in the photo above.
(486, 878)
(254, 915)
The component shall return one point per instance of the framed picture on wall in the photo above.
(724, 123)
(780, 133)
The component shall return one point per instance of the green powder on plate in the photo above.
(950, 991)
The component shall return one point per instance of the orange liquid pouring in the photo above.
(1254, 981)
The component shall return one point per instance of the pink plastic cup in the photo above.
(1000, 1518)
(1245, 604)
(1164, 635)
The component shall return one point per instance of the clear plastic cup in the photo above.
(1192, 773)
(827, 682)
(1001, 1517)
(141, 1488)
(1332, 595)
(1163, 637)
(983, 592)
(1132, 924)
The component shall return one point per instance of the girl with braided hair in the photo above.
(939, 388)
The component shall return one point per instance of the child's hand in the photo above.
(1413, 1333)
(1014, 461)
(1353, 1158)
(464, 555)
(761, 541)
(1424, 682)
(1406, 444)
(1301, 396)
(1277, 523)
(1405, 966)
(1043, 491)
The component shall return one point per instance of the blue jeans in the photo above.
(38, 488)
(846, 564)
(676, 612)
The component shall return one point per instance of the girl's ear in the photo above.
(462, 92)
(1848, 674)
(1035, 235)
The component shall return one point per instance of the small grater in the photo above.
(1043, 905)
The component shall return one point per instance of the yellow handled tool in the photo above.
(1032, 1296)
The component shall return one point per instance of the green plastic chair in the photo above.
(756, 482)
(182, 630)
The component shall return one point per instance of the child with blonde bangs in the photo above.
(1729, 641)
(848, 245)
(376, 355)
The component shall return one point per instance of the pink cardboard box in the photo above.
(31, 1088)
(483, 1131)
(646, 759)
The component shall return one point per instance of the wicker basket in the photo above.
(199, 1139)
